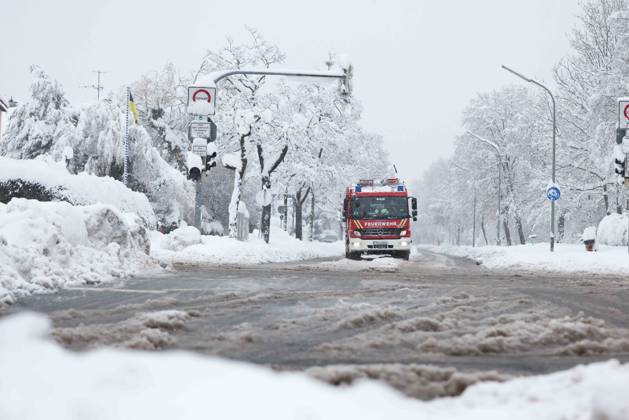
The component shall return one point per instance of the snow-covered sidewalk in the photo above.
(42, 380)
(567, 258)
(187, 246)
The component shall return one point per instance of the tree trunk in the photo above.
(298, 217)
(518, 225)
(265, 220)
(312, 216)
(266, 223)
(505, 227)
(300, 199)
(236, 193)
(482, 229)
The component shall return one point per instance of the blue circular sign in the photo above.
(553, 193)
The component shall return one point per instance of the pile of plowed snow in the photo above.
(24, 178)
(567, 258)
(186, 245)
(47, 245)
(37, 375)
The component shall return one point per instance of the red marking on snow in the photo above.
(207, 93)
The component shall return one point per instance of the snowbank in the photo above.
(571, 258)
(612, 230)
(187, 246)
(81, 189)
(46, 245)
(41, 380)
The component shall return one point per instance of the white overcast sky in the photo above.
(417, 62)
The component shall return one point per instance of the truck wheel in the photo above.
(354, 255)
(405, 255)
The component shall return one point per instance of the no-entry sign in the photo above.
(623, 113)
(201, 100)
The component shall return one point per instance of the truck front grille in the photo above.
(381, 232)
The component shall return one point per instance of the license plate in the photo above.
(380, 245)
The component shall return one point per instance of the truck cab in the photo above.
(377, 219)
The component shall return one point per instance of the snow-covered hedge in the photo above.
(50, 180)
(612, 230)
(46, 245)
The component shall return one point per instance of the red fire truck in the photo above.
(377, 219)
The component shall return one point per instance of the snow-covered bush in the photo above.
(46, 245)
(181, 238)
(612, 230)
(48, 181)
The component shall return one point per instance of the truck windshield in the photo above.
(380, 208)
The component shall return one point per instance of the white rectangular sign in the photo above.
(200, 129)
(201, 100)
(199, 146)
(623, 113)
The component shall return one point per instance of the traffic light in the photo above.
(194, 173)
(620, 155)
(210, 160)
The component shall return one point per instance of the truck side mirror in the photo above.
(345, 201)
(414, 208)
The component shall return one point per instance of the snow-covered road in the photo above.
(343, 320)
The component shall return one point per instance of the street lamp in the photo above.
(552, 98)
(499, 161)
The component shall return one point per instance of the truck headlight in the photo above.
(404, 243)
(356, 244)
(403, 233)
(357, 233)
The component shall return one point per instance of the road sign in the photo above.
(199, 147)
(200, 129)
(553, 193)
(623, 113)
(201, 100)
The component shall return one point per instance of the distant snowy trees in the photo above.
(515, 123)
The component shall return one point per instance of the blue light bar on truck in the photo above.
(358, 188)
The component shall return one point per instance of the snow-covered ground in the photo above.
(42, 380)
(47, 245)
(567, 258)
(187, 246)
(381, 264)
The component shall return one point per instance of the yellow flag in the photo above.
(133, 108)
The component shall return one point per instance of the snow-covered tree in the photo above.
(42, 125)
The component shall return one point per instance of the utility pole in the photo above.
(552, 98)
(474, 215)
(98, 86)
